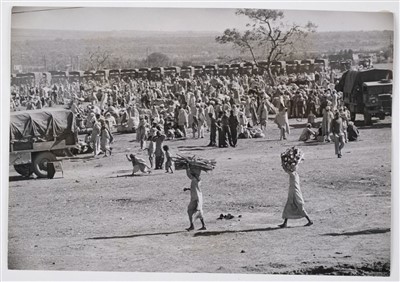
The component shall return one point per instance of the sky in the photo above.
(183, 19)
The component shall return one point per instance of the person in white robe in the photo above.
(138, 164)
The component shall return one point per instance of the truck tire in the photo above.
(25, 170)
(367, 117)
(40, 163)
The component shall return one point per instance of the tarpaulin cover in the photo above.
(42, 125)
(351, 80)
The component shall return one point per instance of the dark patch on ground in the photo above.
(374, 269)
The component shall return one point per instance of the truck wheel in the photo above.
(25, 170)
(40, 163)
(367, 118)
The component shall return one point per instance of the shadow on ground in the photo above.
(19, 178)
(135, 235)
(362, 232)
(24, 178)
(214, 233)
(194, 148)
(205, 233)
(137, 174)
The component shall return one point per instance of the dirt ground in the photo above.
(98, 218)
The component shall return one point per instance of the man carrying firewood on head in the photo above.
(195, 208)
(194, 166)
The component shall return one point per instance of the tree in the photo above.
(268, 34)
(97, 59)
(157, 60)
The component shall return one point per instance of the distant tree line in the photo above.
(48, 53)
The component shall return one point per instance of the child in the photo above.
(138, 164)
(195, 208)
(168, 163)
(281, 119)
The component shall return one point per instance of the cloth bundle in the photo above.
(291, 159)
(181, 163)
(256, 133)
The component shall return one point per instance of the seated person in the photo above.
(307, 133)
(352, 132)
(311, 119)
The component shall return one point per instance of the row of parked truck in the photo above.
(159, 73)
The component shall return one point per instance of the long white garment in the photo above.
(294, 208)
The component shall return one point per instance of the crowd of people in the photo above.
(228, 107)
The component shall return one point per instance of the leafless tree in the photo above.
(98, 58)
(268, 34)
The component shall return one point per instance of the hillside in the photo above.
(56, 49)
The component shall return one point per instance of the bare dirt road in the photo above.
(98, 218)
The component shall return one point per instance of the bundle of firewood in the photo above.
(182, 163)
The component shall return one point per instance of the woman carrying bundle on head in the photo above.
(294, 208)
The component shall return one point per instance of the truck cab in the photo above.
(114, 73)
(234, 69)
(129, 73)
(144, 73)
(199, 70)
(293, 66)
(377, 97)
(367, 92)
(187, 72)
(211, 69)
(223, 69)
(172, 71)
(307, 66)
(321, 64)
(156, 73)
(248, 68)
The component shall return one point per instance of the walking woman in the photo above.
(294, 208)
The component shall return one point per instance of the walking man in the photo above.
(338, 134)
(213, 130)
(159, 139)
(233, 126)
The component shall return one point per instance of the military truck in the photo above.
(367, 92)
(38, 137)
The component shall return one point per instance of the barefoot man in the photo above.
(195, 208)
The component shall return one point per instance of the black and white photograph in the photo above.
(195, 140)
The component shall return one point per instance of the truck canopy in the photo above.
(43, 125)
(353, 80)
